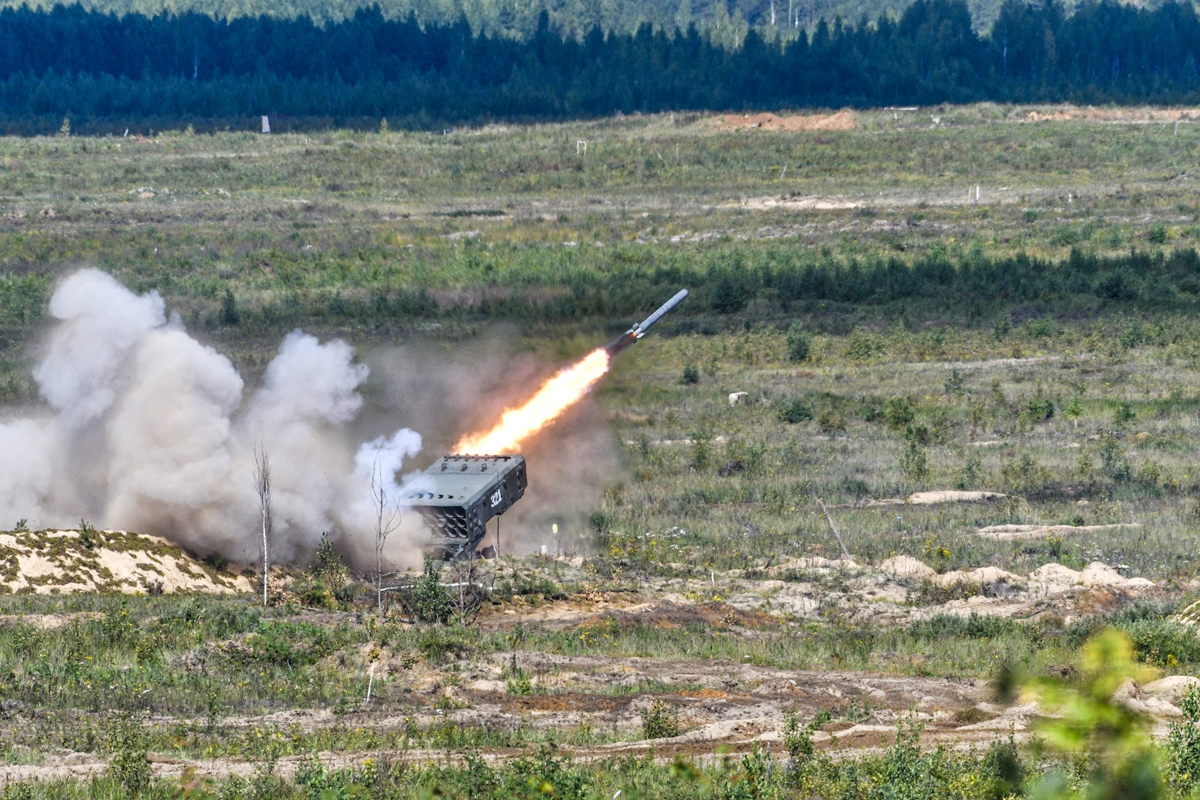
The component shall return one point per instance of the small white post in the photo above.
(370, 681)
(581, 147)
(266, 126)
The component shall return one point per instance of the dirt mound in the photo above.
(672, 615)
(1067, 113)
(841, 121)
(936, 498)
(1047, 579)
(928, 499)
(1010, 532)
(63, 562)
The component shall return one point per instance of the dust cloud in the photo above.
(146, 429)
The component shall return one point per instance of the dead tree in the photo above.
(387, 519)
(262, 485)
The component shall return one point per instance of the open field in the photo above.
(698, 605)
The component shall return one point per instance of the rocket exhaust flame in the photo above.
(557, 394)
(554, 397)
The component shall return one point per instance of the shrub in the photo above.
(1039, 409)
(229, 309)
(831, 422)
(427, 600)
(691, 375)
(129, 765)
(660, 720)
(955, 385)
(1123, 414)
(798, 343)
(951, 626)
(864, 346)
(1183, 745)
(797, 738)
(795, 411)
(914, 463)
(898, 413)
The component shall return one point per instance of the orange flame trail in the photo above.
(554, 397)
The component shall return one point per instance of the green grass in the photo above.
(1080, 405)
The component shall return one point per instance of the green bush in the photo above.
(660, 720)
(129, 765)
(1039, 409)
(795, 411)
(1123, 414)
(898, 413)
(914, 462)
(798, 343)
(691, 375)
(1183, 745)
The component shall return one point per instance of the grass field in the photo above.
(678, 605)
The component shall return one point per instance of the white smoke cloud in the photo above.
(150, 434)
(102, 323)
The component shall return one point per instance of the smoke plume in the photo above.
(147, 430)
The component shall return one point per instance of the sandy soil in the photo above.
(63, 562)
(840, 121)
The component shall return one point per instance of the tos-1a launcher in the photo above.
(460, 494)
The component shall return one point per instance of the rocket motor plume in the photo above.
(555, 396)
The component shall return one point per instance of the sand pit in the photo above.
(928, 499)
(1126, 115)
(1047, 579)
(63, 562)
(840, 121)
(1010, 532)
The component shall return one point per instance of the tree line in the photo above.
(748, 283)
(88, 65)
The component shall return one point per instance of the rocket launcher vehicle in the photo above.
(461, 493)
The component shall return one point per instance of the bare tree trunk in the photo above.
(387, 519)
(262, 485)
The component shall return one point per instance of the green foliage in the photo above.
(660, 720)
(795, 411)
(914, 461)
(798, 343)
(955, 384)
(328, 564)
(690, 376)
(427, 600)
(129, 765)
(1121, 761)
(1123, 414)
(1183, 745)
(289, 644)
(898, 413)
(229, 310)
(1039, 409)
(797, 738)
(1074, 410)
